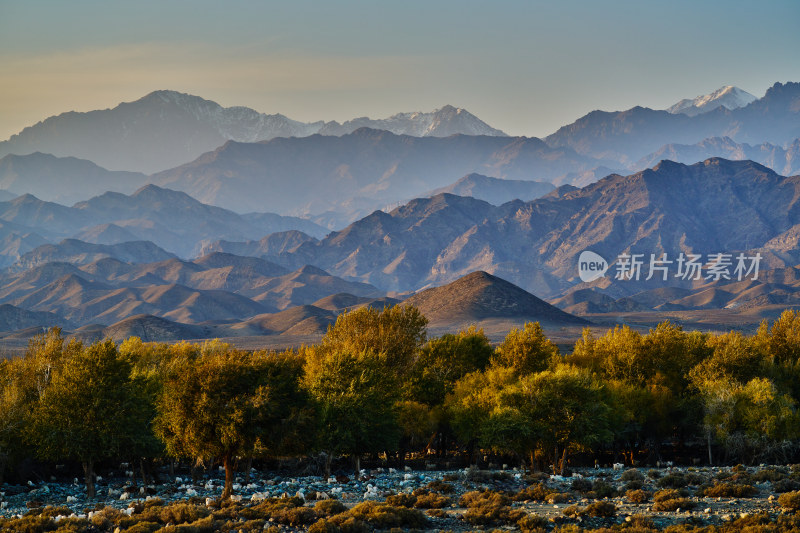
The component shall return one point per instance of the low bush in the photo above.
(581, 484)
(329, 507)
(603, 489)
(489, 508)
(672, 481)
(534, 492)
(632, 475)
(728, 490)
(790, 500)
(637, 496)
(383, 516)
(785, 485)
(600, 509)
(532, 522)
(440, 486)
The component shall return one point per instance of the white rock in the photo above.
(124, 496)
(236, 497)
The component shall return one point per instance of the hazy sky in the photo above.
(525, 67)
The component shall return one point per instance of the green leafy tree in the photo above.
(527, 350)
(397, 332)
(355, 396)
(443, 361)
(564, 409)
(90, 410)
(218, 406)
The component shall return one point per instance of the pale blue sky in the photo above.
(524, 67)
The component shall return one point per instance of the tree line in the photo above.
(377, 384)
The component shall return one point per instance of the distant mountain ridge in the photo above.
(627, 136)
(535, 245)
(172, 220)
(494, 190)
(166, 128)
(318, 173)
(729, 97)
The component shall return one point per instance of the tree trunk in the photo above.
(227, 461)
(564, 460)
(555, 459)
(88, 476)
(533, 461)
(327, 468)
(357, 464)
(248, 464)
(708, 436)
(196, 471)
(142, 472)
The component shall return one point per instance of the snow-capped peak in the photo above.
(729, 97)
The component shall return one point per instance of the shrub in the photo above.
(672, 481)
(440, 486)
(581, 484)
(558, 497)
(668, 494)
(653, 473)
(531, 522)
(329, 507)
(383, 516)
(143, 527)
(488, 508)
(431, 500)
(728, 490)
(182, 513)
(769, 474)
(483, 498)
(673, 505)
(637, 496)
(534, 492)
(633, 485)
(402, 500)
(790, 500)
(596, 509)
(632, 475)
(785, 485)
(600, 509)
(436, 513)
(603, 489)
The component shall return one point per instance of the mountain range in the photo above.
(535, 244)
(166, 128)
(169, 220)
(729, 97)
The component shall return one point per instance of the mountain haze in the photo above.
(166, 128)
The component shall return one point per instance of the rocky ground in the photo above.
(667, 496)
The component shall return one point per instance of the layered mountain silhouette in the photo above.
(494, 190)
(627, 136)
(783, 160)
(166, 128)
(536, 244)
(318, 173)
(102, 285)
(169, 219)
